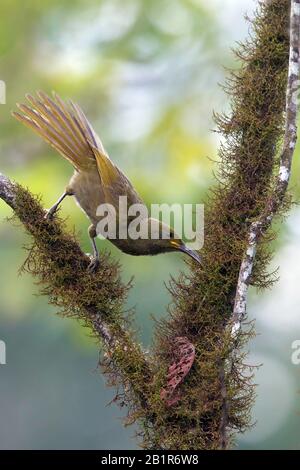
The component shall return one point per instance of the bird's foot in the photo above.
(50, 214)
(94, 264)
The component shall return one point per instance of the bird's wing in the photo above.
(66, 128)
(114, 182)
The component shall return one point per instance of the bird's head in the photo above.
(169, 241)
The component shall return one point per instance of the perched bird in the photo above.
(96, 179)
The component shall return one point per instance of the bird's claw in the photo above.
(94, 265)
(49, 214)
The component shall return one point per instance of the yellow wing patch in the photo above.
(108, 172)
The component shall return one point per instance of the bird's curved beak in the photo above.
(193, 254)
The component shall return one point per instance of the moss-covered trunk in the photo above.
(216, 395)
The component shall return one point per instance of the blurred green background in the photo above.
(146, 73)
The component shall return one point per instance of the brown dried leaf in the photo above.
(184, 355)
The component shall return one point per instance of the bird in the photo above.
(96, 179)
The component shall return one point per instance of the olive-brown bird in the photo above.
(96, 179)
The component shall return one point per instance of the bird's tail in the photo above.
(64, 126)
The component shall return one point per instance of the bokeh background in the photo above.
(147, 74)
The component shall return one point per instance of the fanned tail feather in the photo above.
(63, 126)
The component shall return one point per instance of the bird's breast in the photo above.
(88, 192)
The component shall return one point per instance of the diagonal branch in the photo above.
(96, 300)
(8, 194)
(260, 226)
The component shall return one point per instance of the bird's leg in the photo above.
(95, 257)
(53, 209)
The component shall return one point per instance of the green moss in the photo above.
(203, 301)
(60, 267)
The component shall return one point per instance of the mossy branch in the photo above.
(276, 198)
(95, 299)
